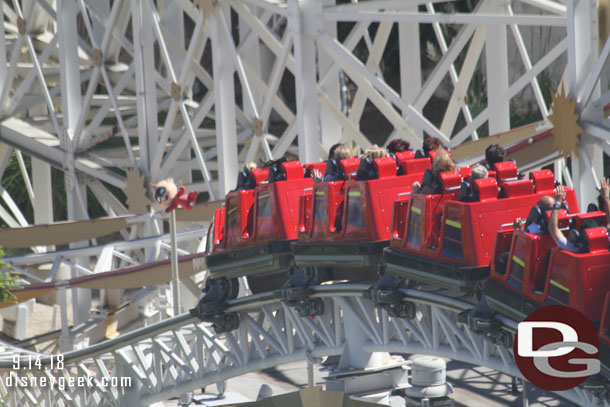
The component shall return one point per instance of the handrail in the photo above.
(403, 194)
(305, 190)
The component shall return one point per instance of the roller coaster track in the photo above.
(181, 354)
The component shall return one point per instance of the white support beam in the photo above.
(460, 91)
(496, 52)
(376, 5)
(442, 43)
(224, 102)
(304, 19)
(548, 5)
(455, 18)
(377, 88)
(372, 64)
(410, 61)
(330, 129)
(544, 111)
(3, 70)
(69, 67)
(43, 192)
(143, 41)
(583, 48)
(275, 6)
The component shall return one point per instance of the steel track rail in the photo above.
(270, 334)
(244, 304)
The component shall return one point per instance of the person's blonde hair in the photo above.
(442, 162)
(342, 152)
(374, 152)
(250, 166)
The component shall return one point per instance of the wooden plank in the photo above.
(201, 212)
(61, 232)
(475, 148)
(28, 293)
(148, 274)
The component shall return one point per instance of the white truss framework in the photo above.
(82, 93)
(179, 355)
(94, 87)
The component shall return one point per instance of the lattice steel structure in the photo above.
(93, 88)
(180, 355)
(194, 91)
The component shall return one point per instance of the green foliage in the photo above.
(8, 283)
(14, 184)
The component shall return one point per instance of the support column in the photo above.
(255, 55)
(71, 100)
(3, 71)
(496, 59)
(305, 19)
(143, 42)
(330, 129)
(224, 97)
(101, 8)
(43, 193)
(123, 18)
(583, 48)
(410, 62)
(69, 68)
(172, 20)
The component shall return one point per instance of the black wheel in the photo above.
(381, 268)
(233, 288)
(478, 291)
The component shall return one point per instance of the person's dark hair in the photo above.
(430, 144)
(270, 163)
(494, 154)
(398, 146)
(331, 151)
(600, 203)
(275, 167)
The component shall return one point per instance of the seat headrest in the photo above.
(465, 171)
(350, 165)
(320, 166)
(260, 175)
(386, 167)
(293, 170)
(563, 218)
(417, 166)
(598, 216)
(597, 239)
(404, 156)
(487, 187)
(544, 180)
(432, 153)
(518, 188)
(451, 180)
(506, 171)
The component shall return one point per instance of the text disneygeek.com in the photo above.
(63, 382)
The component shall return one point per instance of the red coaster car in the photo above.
(251, 235)
(537, 273)
(448, 243)
(345, 225)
